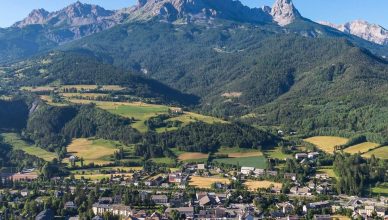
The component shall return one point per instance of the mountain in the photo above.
(371, 32)
(284, 12)
(42, 30)
(74, 68)
(73, 22)
(195, 10)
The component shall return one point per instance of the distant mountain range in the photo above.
(371, 32)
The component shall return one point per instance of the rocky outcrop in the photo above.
(371, 32)
(284, 12)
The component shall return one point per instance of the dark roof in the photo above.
(47, 214)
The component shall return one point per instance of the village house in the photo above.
(322, 217)
(316, 206)
(301, 156)
(70, 206)
(285, 207)
(301, 191)
(187, 212)
(160, 199)
(312, 155)
(290, 176)
(247, 170)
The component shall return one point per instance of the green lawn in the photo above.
(164, 160)
(258, 162)
(382, 189)
(18, 144)
(276, 153)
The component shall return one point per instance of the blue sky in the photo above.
(336, 11)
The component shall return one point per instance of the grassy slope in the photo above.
(381, 152)
(361, 148)
(18, 144)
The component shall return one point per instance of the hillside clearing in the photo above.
(254, 185)
(327, 143)
(93, 151)
(206, 182)
(276, 153)
(18, 144)
(361, 148)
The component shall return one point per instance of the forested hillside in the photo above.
(239, 69)
(78, 68)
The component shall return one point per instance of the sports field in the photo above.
(327, 143)
(18, 144)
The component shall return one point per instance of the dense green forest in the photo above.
(359, 174)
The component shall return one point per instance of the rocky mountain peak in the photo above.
(172, 10)
(284, 12)
(37, 16)
(363, 29)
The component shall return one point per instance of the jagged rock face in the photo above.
(189, 10)
(284, 12)
(363, 29)
(38, 16)
(73, 22)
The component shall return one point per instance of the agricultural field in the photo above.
(361, 148)
(84, 95)
(138, 110)
(340, 217)
(102, 176)
(254, 185)
(93, 151)
(381, 152)
(18, 144)
(206, 182)
(327, 143)
(164, 160)
(256, 161)
(192, 157)
(276, 153)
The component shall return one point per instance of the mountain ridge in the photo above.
(363, 29)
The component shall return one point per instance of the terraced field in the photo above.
(18, 144)
(327, 143)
